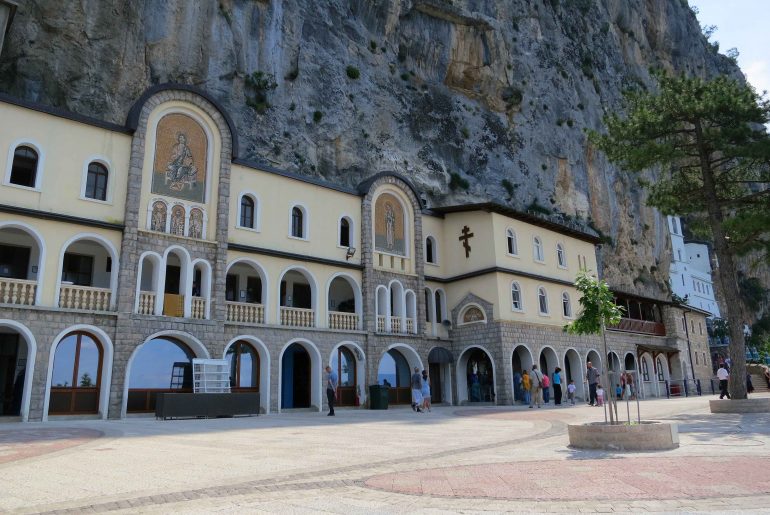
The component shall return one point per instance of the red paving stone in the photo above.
(17, 445)
(631, 479)
(526, 415)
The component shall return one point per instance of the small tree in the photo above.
(597, 311)
(708, 140)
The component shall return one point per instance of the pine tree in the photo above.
(707, 141)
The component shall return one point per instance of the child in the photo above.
(618, 391)
(599, 395)
(571, 392)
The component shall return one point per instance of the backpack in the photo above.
(546, 382)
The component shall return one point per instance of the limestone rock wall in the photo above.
(487, 89)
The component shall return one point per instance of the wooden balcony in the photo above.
(85, 298)
(343, 321)
(631, 325)
(18, 291)
(297, 317)
(245, 312)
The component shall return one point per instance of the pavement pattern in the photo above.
(474, 459)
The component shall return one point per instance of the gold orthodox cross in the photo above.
(464, 238)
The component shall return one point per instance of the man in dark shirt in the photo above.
(331, 388)
(592, 376)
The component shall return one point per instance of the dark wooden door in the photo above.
(436, 388)
(301, 379)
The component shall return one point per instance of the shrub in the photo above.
(258, 84)
(404, 76)
(457, 181)
(508, 186)
(317, 115)
(352, 72)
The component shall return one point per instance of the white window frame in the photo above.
(520, 309)
(37, 147)
(351, 231)
(565, 295)
(511, 234)
(305, 222)
(435, 250)
(257, 218)
(547, 311)
(84, 179)
(561, 256)
(537, 243)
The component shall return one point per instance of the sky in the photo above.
(742, 24)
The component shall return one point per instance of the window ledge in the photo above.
(539, 262)
(250, 229)
(432, 264)
(297, 238)
(21, 187)
(563, 267)
(513, 255)
(544, 315)
(519, 310)
(107, 202)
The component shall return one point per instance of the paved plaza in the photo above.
(468, 459)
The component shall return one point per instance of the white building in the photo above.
(690, 270)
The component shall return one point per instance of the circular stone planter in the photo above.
(647, 436)
(761, 405)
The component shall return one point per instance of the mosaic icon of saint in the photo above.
(196, 224)
(181, 168)
(390, 226)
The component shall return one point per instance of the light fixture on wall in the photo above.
(350, 252)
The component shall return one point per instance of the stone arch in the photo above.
(264, 280)
(113, 255)
(574, 370)
(316, 400)
(466, 309)
(264, 367)
(156, 261)
(595, 358)
(205, 286)
(107, 357)
(463, 393)
(551, 359)
(195, 345)
(29, 368)
(357, 298)
(360, 356)
(312, 282)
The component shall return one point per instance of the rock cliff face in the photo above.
(496, 92)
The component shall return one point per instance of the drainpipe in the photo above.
(7, 10)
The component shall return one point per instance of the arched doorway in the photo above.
(344, 303)
(76, 376)
(86, 278)
(521, 360)
(574, 371)
(175, 284)
(613, 371)
(595, 359)
(477, 383)
(296, 375)
(344, 365)
(439, 361)
(630, 362)
(17, 359)
(548, 360)
(161, 365)
(246, 292)
(22, 257)
(394, 371)
(244, 367)
(649, 386)
(297, 299)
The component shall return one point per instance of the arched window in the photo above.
(516, 303)
(561, 258)
(177, 221)
(161, 365)
(76, 376)
(297, 222)
(428, 295)
(542, 299)
(645, 370)
(96, 181)
(538, 249)
(345, 232)
(440, 307)
(247, 212)
(513, 247)
(566, 305)
(24, 167)
(244, 367)
(430, 250)
(659, 366)
(158, 219)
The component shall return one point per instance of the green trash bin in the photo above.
(378, 396)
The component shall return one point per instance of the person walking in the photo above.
(517, 393)
(749, 384)
(416, 390)
(571, 388)
(557, 386)
(425, 390)
(536, 388)
(546, 387)
(526, 384)
(723, 375)
(331, 388)
(592, 376)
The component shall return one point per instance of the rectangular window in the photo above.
(77, 269)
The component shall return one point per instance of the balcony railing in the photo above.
(198, 308)
(146, 303)
(380, 323)
(395, 324)
(245, 313)
(297, 317)
(18, 291)
(85, 297)
(640, 326)
(343, 321)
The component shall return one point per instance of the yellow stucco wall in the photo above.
(65, 148)
(275, 197)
